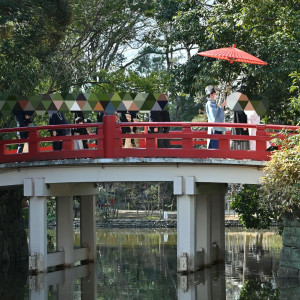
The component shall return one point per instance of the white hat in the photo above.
(209, 90)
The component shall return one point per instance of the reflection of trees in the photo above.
(136, 266)
(251, 253)
(13, 280)
(256, 289)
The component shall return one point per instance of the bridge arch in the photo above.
(199, 184)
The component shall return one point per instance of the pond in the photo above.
(141, 264)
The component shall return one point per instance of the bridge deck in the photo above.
(132, 170)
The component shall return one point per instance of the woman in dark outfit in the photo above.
(57, 118)
(240, 117)
(160, 116)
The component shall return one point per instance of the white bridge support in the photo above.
(200, 223)
(66, 255)
(200, 185)
(64, 229)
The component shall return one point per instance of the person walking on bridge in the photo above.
(215, 114)
(57, 118)
(23, 119)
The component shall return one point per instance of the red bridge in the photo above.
(188, 140)
(199, 177)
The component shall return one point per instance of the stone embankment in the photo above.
(141, 219)
(137, 223)
(134, 219)
(144, 223)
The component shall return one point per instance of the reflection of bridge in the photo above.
(199, 176)
(208, 283)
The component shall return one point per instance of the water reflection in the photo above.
(252, 261)
(135, 265)
(141, 264)
(208, 283)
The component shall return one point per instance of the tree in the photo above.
(74, 45)
(99, 36)
(258, 289)
(293, 111)
(247, 203)
(280, 187)
(124, 81)
(267, 29)
(30, 32)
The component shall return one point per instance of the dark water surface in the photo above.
(141, 264)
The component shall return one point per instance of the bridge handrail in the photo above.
(109, 140)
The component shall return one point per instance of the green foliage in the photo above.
(279, 192)
(51, 209)
(280, 186)
(100, 33)
(146, 196)
(183, 108)
(30, 31)
(293, 111)
(136, 265)
(124, 81)
(267, 29)
(51, 239)
(247, 203)
(256, 289)
(147, 46)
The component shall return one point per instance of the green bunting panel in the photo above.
(72, 102)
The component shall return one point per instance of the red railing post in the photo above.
(68, 145)
(33, 144)
(109, 122)
(187, 141)
(261, 144)
(224, 143)
(2, 151)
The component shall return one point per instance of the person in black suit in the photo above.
(160, 116)
(57, 118)
(23, 119)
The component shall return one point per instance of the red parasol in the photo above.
(233, 54)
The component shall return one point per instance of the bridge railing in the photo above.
(106, 140)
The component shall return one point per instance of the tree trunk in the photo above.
(13, 239)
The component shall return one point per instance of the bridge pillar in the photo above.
(64, 228)
(38, 191)
(211, 222)
(35, 189)
(38, 234)
(200, 223)
(88, 225)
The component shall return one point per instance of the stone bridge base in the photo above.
(290, 253)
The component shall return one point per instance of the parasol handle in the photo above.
(227, 87)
